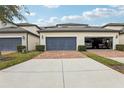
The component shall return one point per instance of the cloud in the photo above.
(87, 15)
(120, 7)
(47, 22)
(96, 13)
(53, 19)
(19, 21)
(30, 14)
(52, 6)
(40, 20)
(57, 20)
(71, 17)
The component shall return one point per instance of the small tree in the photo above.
(9, 12)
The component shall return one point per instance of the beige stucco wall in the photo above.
(9, 35)
(121, 39)
(32, 29)
(80, 36)
(32, 42)
(114, 27)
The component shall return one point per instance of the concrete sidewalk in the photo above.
(55, 73)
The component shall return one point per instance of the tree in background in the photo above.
(9, 12)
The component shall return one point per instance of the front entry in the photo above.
(99, 42)
(60, 43)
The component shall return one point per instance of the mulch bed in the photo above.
(118, 68)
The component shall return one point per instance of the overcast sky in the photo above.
(86, 14)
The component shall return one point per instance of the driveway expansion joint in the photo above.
(63, 74)
(53, 71)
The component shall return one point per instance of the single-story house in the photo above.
(12, 35)
(70, 36)
(61, 37)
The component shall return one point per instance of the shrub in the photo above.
(40, 47)
(81, 48)
(0, 53)
(120, 47)
(21, 49)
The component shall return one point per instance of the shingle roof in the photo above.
(15, 30)
(77, 29)
(114, 24)
(64, 25)
(47, 27)
(27, 24)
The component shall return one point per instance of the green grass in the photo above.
(17, 58)
(106, 61)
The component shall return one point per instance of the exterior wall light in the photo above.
(23, 37)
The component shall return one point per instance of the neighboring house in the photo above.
(70, 36)
(117, 26)
(12, 35)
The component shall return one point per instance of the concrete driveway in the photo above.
(59, 73)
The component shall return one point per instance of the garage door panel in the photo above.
(61, 43)
(9, 44)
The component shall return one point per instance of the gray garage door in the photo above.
(61, 43)
(9, 44)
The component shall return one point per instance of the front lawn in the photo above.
(106, 61)
(16, 58)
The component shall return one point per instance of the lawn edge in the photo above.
(16, 63)
(94, 57)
